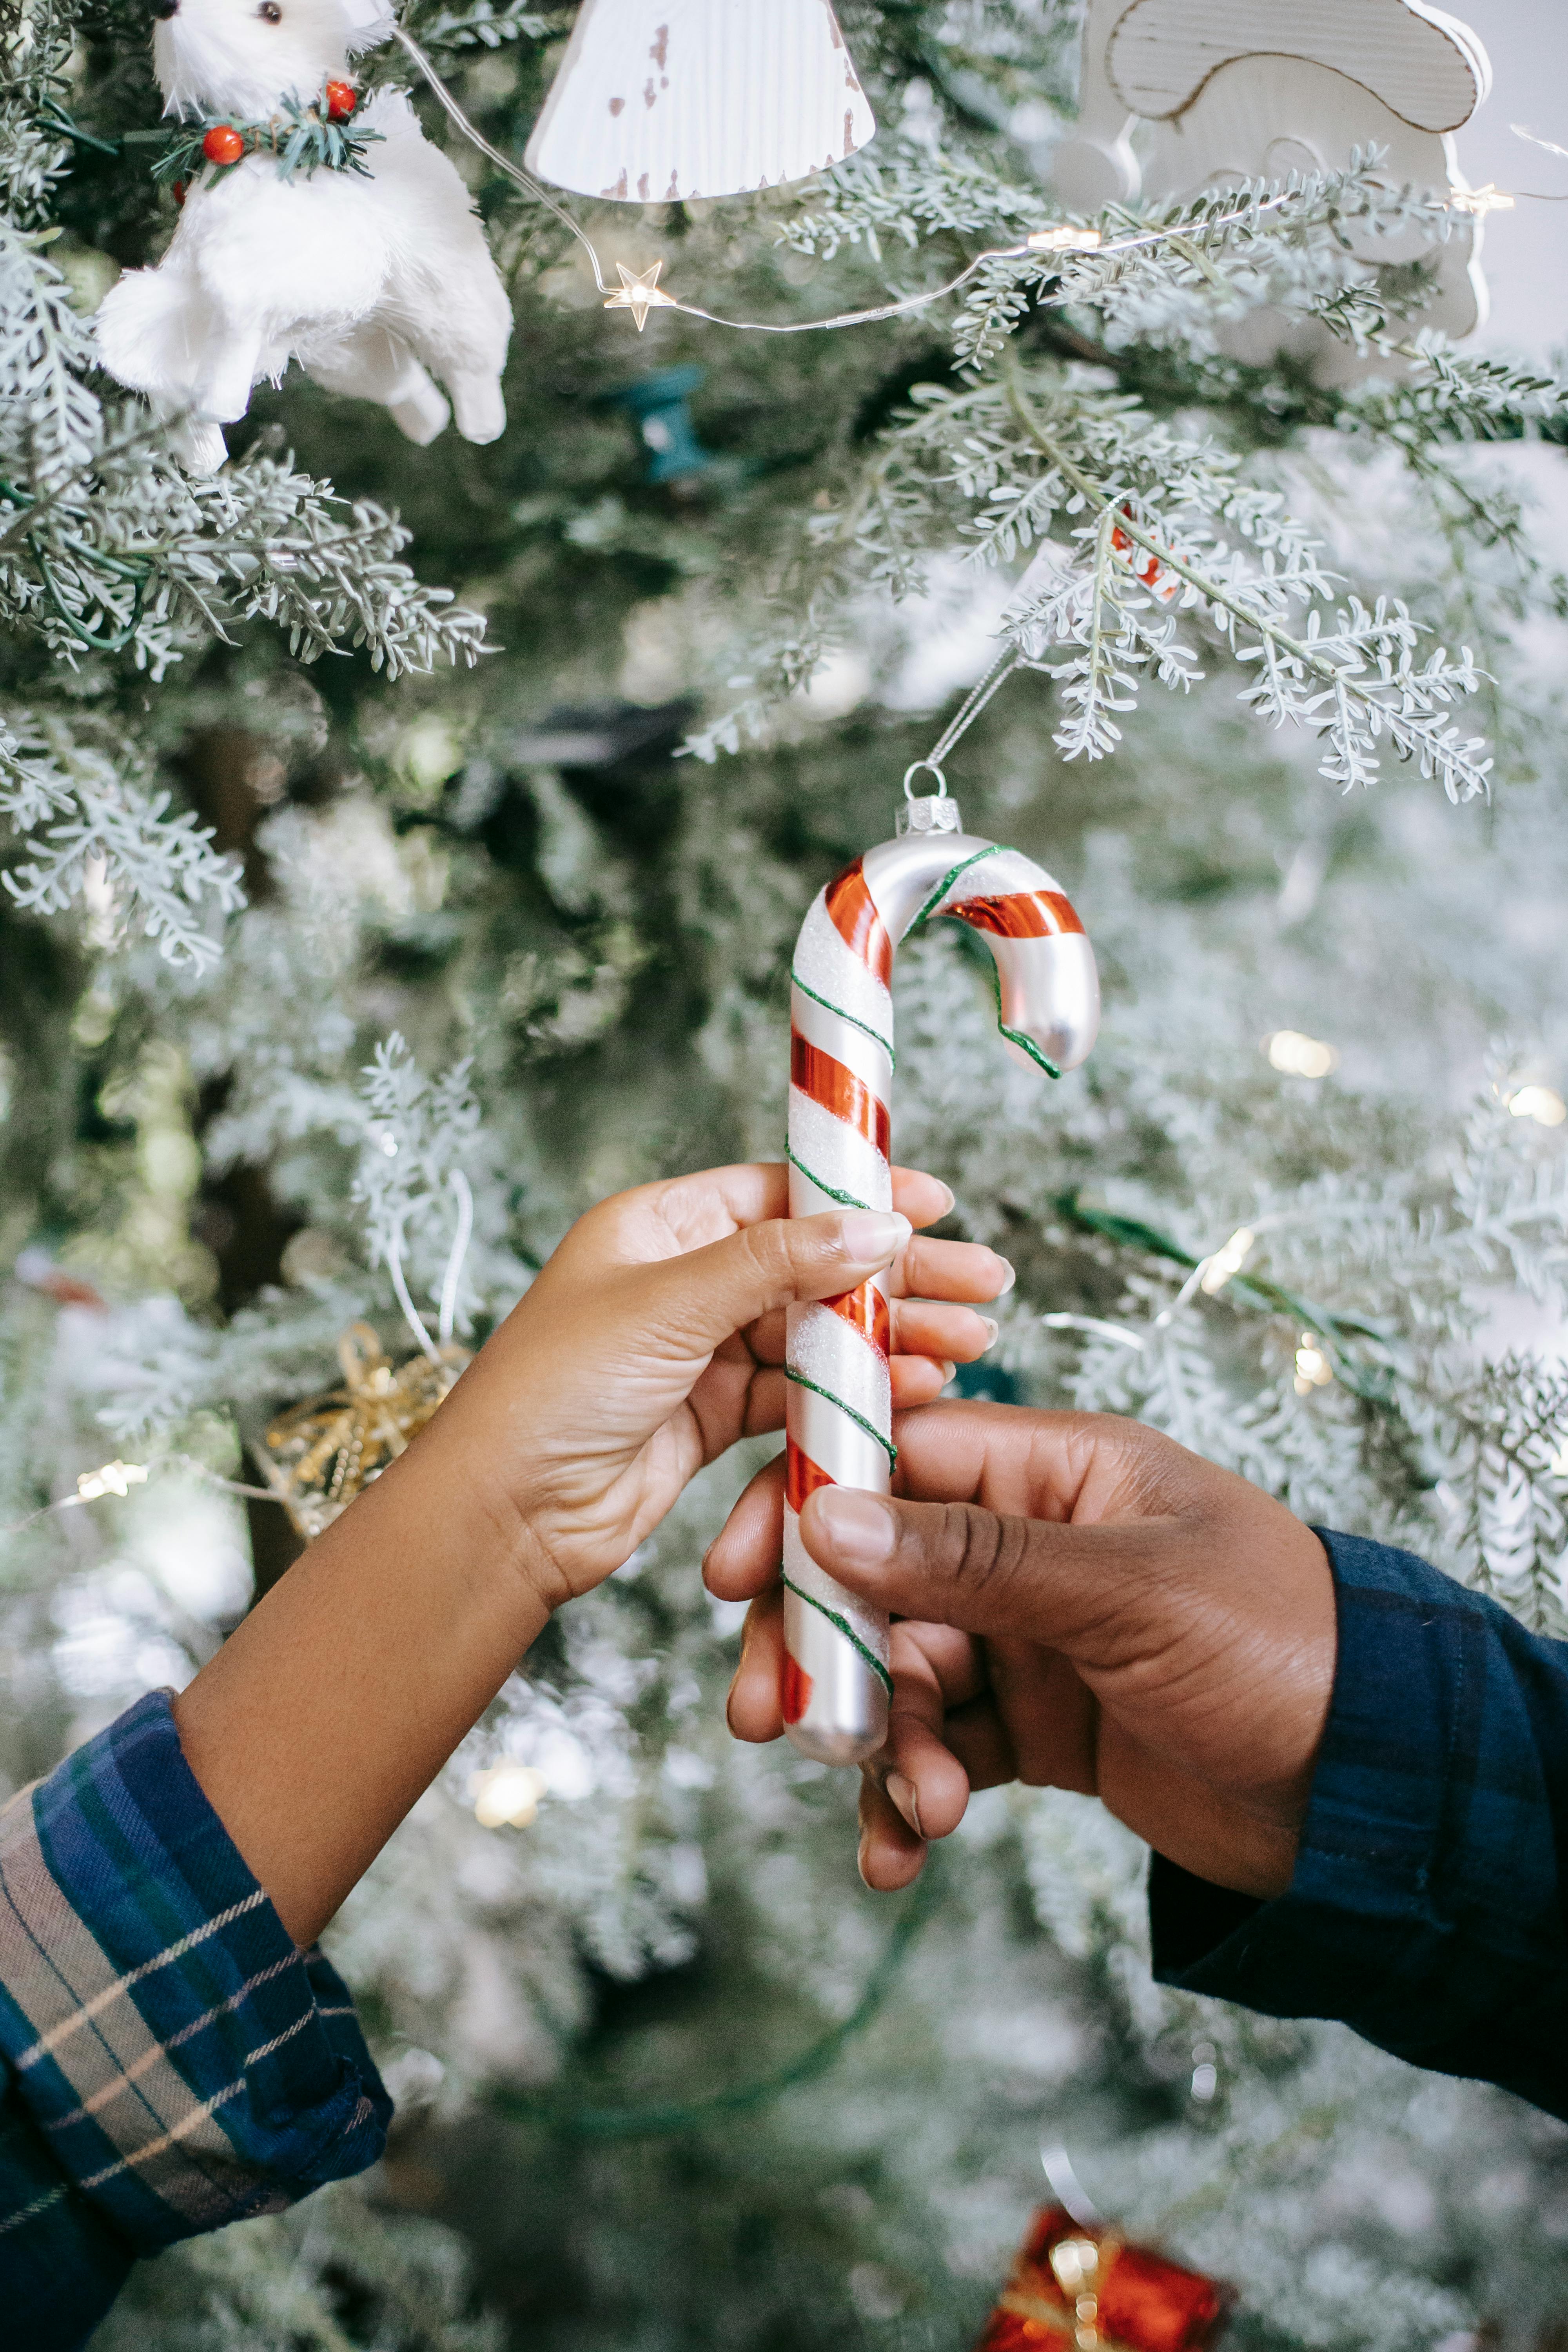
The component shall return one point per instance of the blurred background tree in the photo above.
(667, 2076)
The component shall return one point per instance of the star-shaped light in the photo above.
(1481, 201)
(639, 294)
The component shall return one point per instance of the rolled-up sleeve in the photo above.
(1426, 1909)
(170, 2060)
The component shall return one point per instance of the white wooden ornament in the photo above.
(662, 99)
(1425, 66)
(1181, 95)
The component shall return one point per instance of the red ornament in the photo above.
(1082, 2290)
(341, 99)
(179, 195)
(223, 145)
(1144, 566)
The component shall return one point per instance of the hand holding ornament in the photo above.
(1086, 1605)
(652, 1339)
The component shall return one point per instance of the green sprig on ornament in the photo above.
(302, 138)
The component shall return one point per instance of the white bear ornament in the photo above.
(375, 278)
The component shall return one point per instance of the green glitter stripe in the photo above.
(800, 1382)
(839, 1014)
(1017, 1036)
(1028, 1046)
(842, 1625)
(848, 1199)
(992, 849)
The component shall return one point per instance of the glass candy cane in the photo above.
(836, 1682)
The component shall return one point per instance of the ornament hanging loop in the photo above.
(928, 811)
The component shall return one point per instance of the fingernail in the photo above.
(951, 1201)
(992, 1332)
(948, 1372)
(1012, 1275)
(864, 1849)
(858, 1528)
(902, 1793)
(728, 1717)
(867, 1236)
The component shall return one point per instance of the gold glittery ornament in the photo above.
(316, 1457)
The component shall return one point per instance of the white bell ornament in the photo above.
(658, 100)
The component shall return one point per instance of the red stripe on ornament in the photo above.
(867, 1310)
(802, 1476)
(827, 1082)
(1021, 915)
(795, 1690)
(852, 911)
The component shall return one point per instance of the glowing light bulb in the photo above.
(1300, 1057)
(1545, 1105)
(1313, 1370)
(113, 1478)
(507, 1796)
(1227, 1260)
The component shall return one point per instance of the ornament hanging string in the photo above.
(974, 703)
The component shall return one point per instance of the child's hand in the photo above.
(1090, 1607)
(655, 1338)
(651, 1341)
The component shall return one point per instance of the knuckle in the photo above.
(767, 1251)
(985, 1551)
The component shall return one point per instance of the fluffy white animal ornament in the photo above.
(375, 278)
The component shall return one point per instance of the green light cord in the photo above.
(663, 2120)
(1374, 1384)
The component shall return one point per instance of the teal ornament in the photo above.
(657, 405)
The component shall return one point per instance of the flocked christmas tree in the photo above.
(346, 900)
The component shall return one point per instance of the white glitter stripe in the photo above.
(830, 968)
(838, 1154)
(838, 1357)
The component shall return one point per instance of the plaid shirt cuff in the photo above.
(170, 2060)
(1426, 1907)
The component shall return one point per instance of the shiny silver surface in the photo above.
(846, 1718)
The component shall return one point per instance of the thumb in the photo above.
(1090, 1592)
(709, 1293)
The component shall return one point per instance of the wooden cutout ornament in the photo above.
(659, 100)
(1181, 95)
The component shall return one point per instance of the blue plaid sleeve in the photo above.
(170, 2060)
(1426, 1909)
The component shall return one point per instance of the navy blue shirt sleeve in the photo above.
(1426, 1909)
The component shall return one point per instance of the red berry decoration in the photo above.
(223, 145)
(180, 195)
(341, 99)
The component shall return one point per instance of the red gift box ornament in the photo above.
(1077, 2289)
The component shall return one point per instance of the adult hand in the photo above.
(1089, 1606)
(654, 1337)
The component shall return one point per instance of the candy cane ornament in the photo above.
(836, 1679)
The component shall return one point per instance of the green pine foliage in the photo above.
(292, 874)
